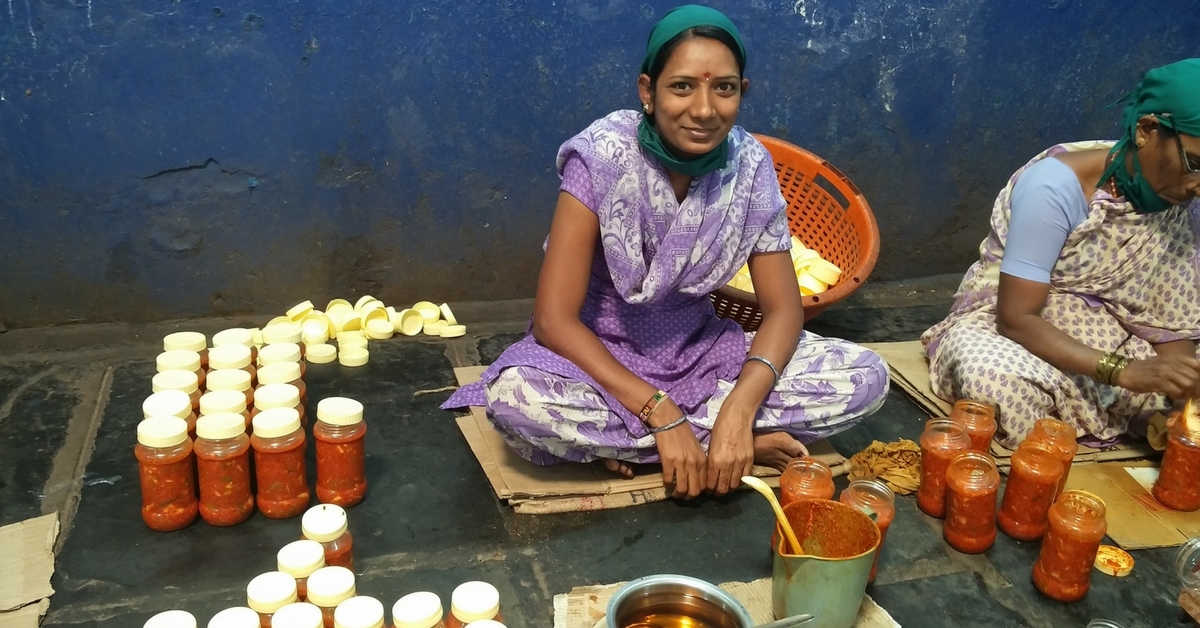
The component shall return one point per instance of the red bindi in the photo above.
(707, 76)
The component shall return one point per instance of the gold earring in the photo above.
(646, 107)
(1140, 142)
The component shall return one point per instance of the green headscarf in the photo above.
(676, 21)
(1173, 89)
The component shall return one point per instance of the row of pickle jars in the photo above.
(314, 587)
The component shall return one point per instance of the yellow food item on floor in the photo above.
(897, 464)
(813, 273)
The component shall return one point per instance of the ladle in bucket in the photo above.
(766, 491)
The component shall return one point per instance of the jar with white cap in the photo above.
(283, 373)
(283, 332)
(184, 381)
(269, 592)
(422, 609)
(166, 469)
(300, 559)
(278, 396)
(224, 402)
(299, 615)
(473, 601)
(233, 379)
(341, 453)
(223, 465)
(361, 611)
(181, 360)
(232, 357)
(327, 524)
(279, 469)
(485, 623)
(171, 619)
(281, 352)
(174, 403)
(236, 336)
(235, 617)
(188, 341)
(328, 587)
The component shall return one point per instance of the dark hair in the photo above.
(708, 32)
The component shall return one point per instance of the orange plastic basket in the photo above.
(829, 215)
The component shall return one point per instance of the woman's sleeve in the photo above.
(577, 181)
(1047, 204)
(766, 196)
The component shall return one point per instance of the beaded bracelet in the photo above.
(652, 405)
(759, 358)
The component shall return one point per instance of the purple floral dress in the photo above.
(648, 303)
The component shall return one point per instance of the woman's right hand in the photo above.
(1174, 375)
(683, 459)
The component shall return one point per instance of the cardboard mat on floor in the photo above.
(532, 489)
(584, 607)
(25, 570)
(1135, 519)
(909, 370)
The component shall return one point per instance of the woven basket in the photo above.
(829, 215)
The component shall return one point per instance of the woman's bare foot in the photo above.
(618, 467)
(775, 449)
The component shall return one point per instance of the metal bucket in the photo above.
(668, 593)
(829, 580)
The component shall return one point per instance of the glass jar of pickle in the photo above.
(978, 419)
(805, 478)
(268, 592)
(1061, 437)
(166, 468)
(972, 484)
(873, 498)
(328, 587)
(1178, 483)
(223, 468)
(341, 451)
(1064, 566)
(327, 525)
(279, 466)
(1187, 564)
(300, 559)
(1032, 482)
(941, 442)
(473, 601)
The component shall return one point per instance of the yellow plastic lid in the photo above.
(256, 335)
(339, 411)
(228, 379)
(282, 332)
(338, 314)
(171, 619)
(298, 615)
(300, 558)
(276, 396)
(298, 311)
(277, 320)
(174, 403)
(485, 623)
(324, 523)
(236, 617)
(222, 402)
(363, 301)
(187, 381)
(234, 336)
(279, 352)
(271, 591)
(362, 611)
(338, 304)
(185, 341)
(409, 322)
(453, 331)
(447, 315)
(330, 586)
(229, 357)
(422, 609)
(279, 372)
(368, 311)
(275, 422)
(428, 310)
(356, 334)
(316, 328)
(354, 323)
(220, 426)
(473, 601)
(434, 328)
(320, 353)
(379, 328)
(353, 356)
(391, 312)
(178, 360)
(162, 431)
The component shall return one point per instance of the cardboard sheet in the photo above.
(533, 489)
(584, 607)
(25, 569)
(1135, 519)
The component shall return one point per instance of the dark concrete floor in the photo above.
(70, 399)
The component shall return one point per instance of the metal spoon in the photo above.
(766, 491)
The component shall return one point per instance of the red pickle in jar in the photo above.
(1032, 482)
(327, 525)
(269, 592)
(941, 442)
(805, 478)
(188, 341)
(341, 453)
(1178, 483)
(972, 484)
(873, 498)
(328, 587)
(360, 611)
(1064, 566)
(278, 396)
(181, 361)
(300, 559)
(422, 609)
(183, 381)
(223, 466)
(979, 419)
(166, 468)
(1062, 437)
(174, 403)
(473, 601)
(279, 467)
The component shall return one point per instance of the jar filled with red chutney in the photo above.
(341, 453)
(1064, 566)
(279, 467)
(1178, 483)
(1032, 482)
(805, 478)
(223, 466)
(327, 525)
(941, 442)
(978, 419)
(972, 485)
(872, 497)
(1061, 437)
(166, 468)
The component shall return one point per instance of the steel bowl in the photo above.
(671, 593)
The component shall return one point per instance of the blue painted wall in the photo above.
(174, 158)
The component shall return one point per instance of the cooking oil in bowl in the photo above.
(697, 614)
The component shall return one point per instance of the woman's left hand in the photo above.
(730, 452)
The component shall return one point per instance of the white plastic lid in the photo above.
(187, 381)
(434, 328)
(473, 601)
(409, 322)
(324, 523)
(320, 353)
(354, 356)
(229, 357)
(281, 332)
(234, 336)
(447, 315)
(300, 558)
(178, 359)
(300, 310)
(186, 341)
(228, 379)
(351, 342)
(274, 422)
(452, 331)
(316, 328)
(422, 609)
(279, 372)
(298, 615)
(279, 352)
(171, 619)
(276, 396)
(380, 328)
(174, 403)
(162, 431)
(220, 426)
(268, 592)
(485, 623)
(363, 301)
(330, 586)
(362, 611)
(338, 304)
(236, 617)
(339, 411)
(428, 310)
(222, 401)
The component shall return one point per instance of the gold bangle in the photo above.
(1109, 366)
(1116, 372)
